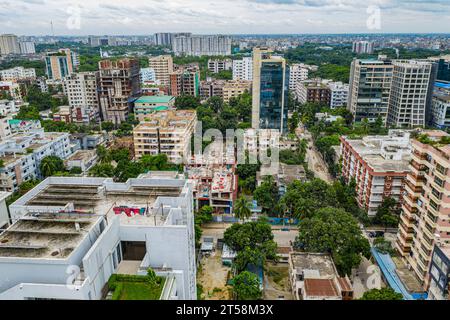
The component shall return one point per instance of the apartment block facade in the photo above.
(243, 69)
(411, 93)
(185, 81)
(18, 73)
(118, 83)
(217, 65)
(234, 88)
(163, 67)
(298, 73)
(201, 45)
(425, 218)
(313, 91)
(440, 106)
(9, 44)
(379, 166)
(60, 64)
(81, 91)
(338, 94)
(166, 132)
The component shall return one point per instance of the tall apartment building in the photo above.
(211, 88)
(370, 87)
(234, 88)
(313, 91)
(440, 274)
(243, 69)
(411, 93)
(93, 228)
(363, 47)
(9, 44)
(166, 132)
(297, 73)
(338, 94)
(163, 67)
(270, 91)
(118, 83)
(379, 165)
(440, 106)
(60, 64)
(22, 154)
(217, 65)
(166, 38)
(201, 45)
(18, 73)
(185, 81)
(27, 47)
(425, 214)
(81, 91)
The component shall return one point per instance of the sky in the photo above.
(144, 17)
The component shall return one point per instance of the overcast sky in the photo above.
(141, 17)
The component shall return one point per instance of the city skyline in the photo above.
(34, 17)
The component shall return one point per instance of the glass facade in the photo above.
(274, 96)
(443, 70)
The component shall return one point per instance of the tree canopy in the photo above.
(382, 294)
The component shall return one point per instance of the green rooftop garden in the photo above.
(134, 287)
(425, 139)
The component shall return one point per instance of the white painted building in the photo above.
(298, 72)
(217, 65)
(440, 107)
(201, 45)
(27, 47)
(243, 69)
(22, 154)
(4, 216)
(147, 75)
(8, 108)
(339, 94)
(17, 73)
(77, 232)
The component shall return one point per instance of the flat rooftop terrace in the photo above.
(46, 235)
(316, 265)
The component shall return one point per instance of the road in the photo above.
(314, 158)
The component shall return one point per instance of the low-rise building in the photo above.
(146, 105)
(218, 65)
(313, 276)
(379, 165)
(18, 73)
(85, 141)
(234, 88)
(313, 91)
(91, 228)
(22, 154)
(166, 132)
(211, 88)
(4, 215)
(83, 159)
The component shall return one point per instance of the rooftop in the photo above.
(320, 288)
(313, 265)
(46, 235)
(168, 120)
(155, 99)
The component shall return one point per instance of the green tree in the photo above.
(242, 208)
(267, 194)
(50, 165)
(107, 126)
(382, 294)
(103, 154)
(388, 213)
(102, 170)
(337, 232)
(187, 102)
(246, 286)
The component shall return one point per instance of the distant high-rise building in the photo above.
(370, 86)
(60, 64)
(163, 39)
(81, 91)
(27, 47)
(118, 83)
(361, 47)
(201, 45)
(411, 93)
(9, 44)
(297, 73)
(163, 67)
(270, 91)
(243, 69)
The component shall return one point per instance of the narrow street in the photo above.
(314, 158)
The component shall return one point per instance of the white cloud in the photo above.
(222, 16)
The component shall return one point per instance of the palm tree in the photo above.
(242, 209)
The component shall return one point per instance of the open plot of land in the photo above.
(276, 282)
(213, 277)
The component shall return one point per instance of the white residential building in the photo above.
(411, 92)
(147, 75)
(202, 45)
(243, 69)
(27, 47)
(8, 108)
(298, 72)
(17, 73)
(339, 94)
(216, 65)
(440, 107)
(4, 215)
(22, 154)
(361, 47)
(144, 223)
(81, 91)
